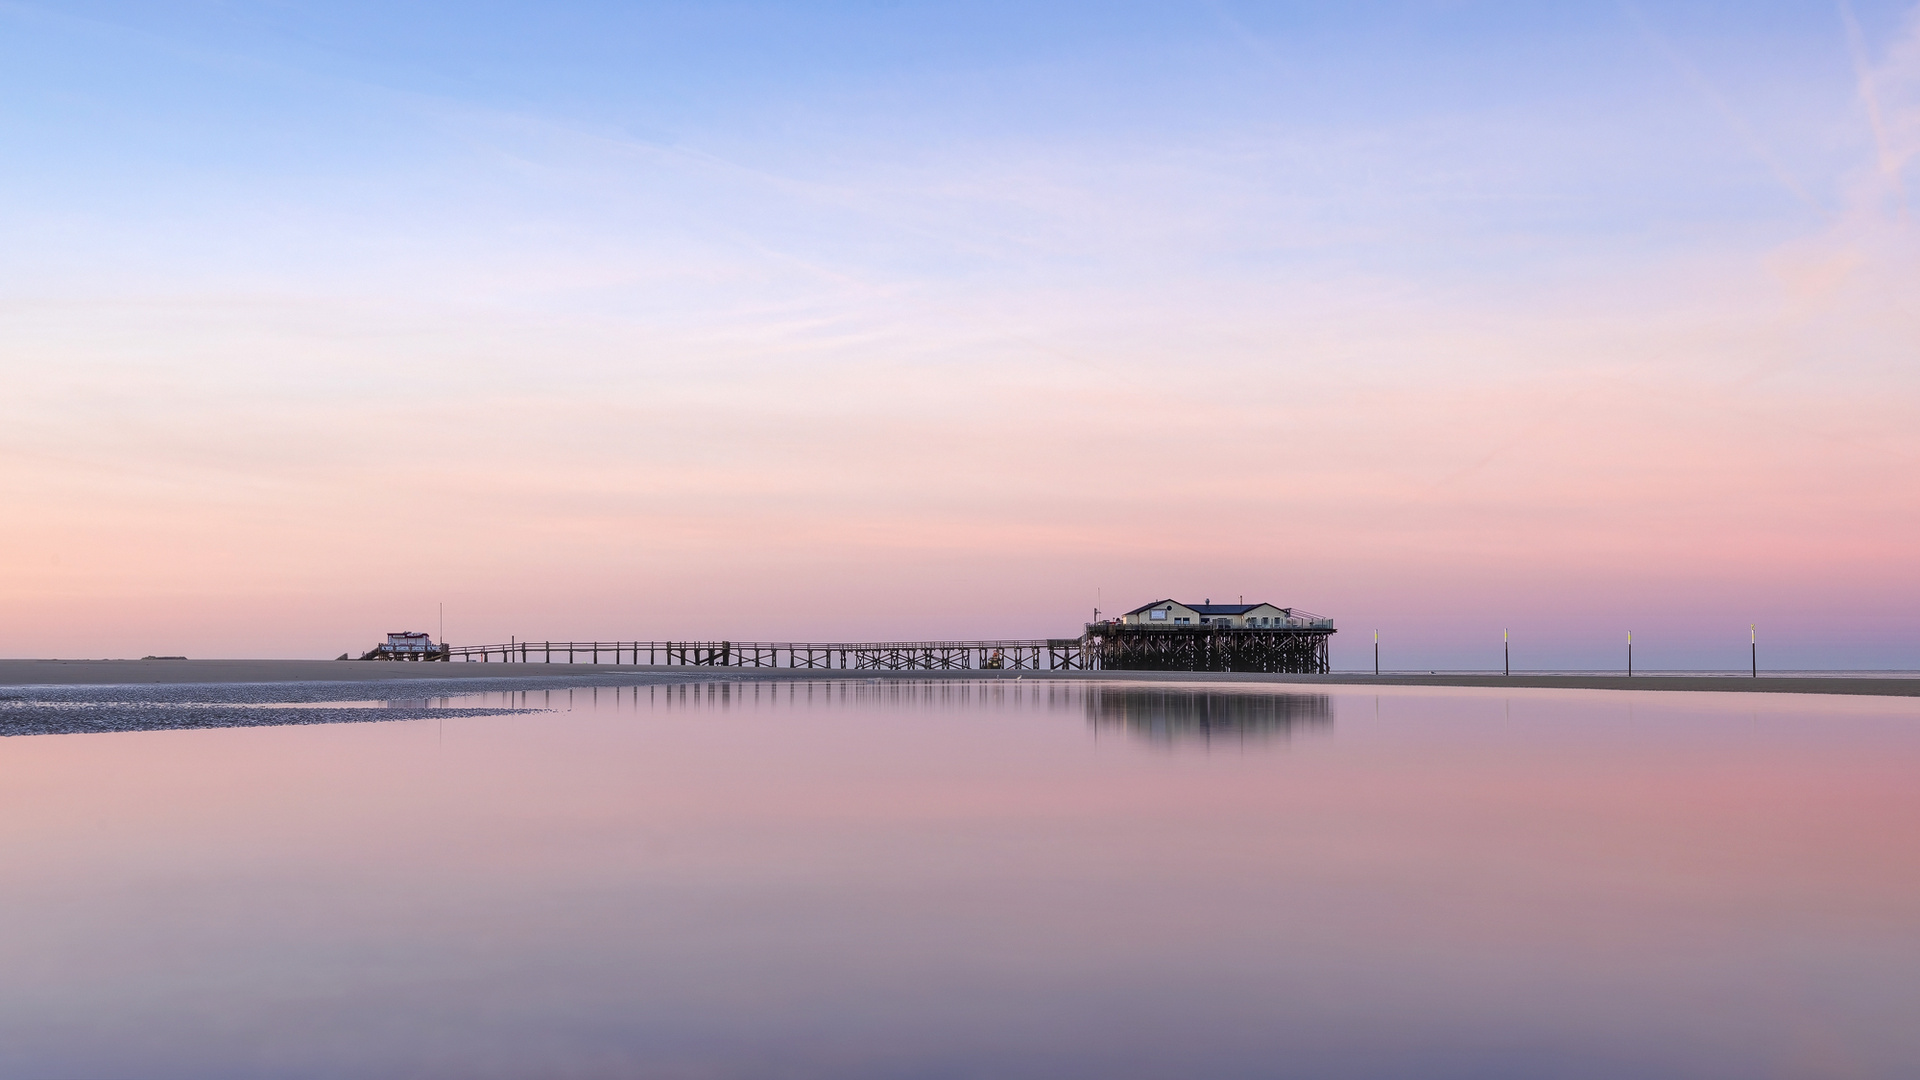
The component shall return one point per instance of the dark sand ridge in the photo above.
(180, 672)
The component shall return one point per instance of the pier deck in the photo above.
(1040, 654)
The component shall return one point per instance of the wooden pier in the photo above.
(1104, 647)
(1293, 650)
(1047, 654)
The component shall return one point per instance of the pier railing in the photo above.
(1046, 654)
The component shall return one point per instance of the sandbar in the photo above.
(166, 672)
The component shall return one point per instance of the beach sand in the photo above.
(175, 672)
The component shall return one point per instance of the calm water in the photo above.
(975, 880)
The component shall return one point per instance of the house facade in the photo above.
(1175, 615)
(407, 641)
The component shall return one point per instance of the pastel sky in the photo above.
(871, 320)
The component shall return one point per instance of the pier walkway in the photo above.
(1043, 654)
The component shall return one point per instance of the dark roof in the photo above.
(1204, 609)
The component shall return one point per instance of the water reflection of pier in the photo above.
(1172, 715)
(1158, 714)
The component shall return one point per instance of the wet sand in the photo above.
(203, 672)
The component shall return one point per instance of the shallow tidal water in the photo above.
(957, 879)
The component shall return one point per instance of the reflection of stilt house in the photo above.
(1168, 635)
(1161, 715)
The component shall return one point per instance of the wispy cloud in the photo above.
(1735, 120)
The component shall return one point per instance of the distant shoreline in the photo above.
(180, 672)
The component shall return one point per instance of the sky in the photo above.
(886, 320)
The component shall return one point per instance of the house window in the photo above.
(1158, 614)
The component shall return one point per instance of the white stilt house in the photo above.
(1173, 614)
